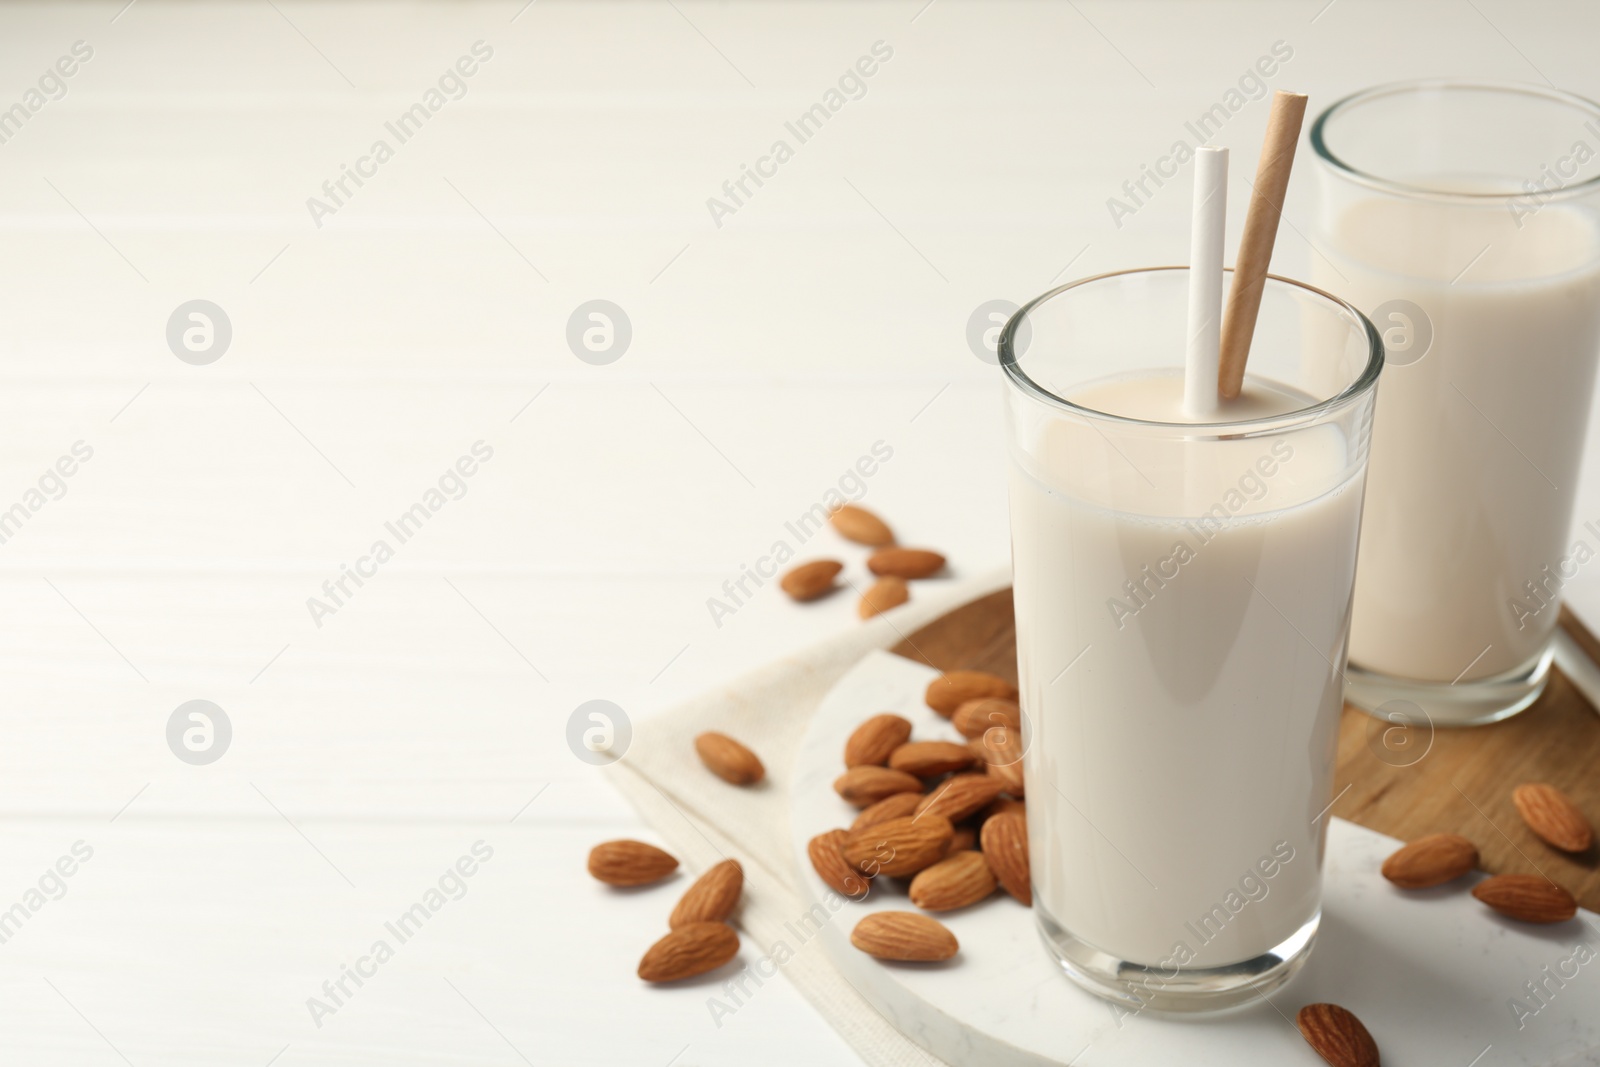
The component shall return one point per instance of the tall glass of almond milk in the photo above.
(1182, 606)
(1465, 220)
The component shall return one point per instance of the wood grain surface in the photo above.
(1400, 780)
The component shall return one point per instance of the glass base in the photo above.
(1405, 702)
(1156, 989)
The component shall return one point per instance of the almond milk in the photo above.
(1181, 631)
(1476, 443)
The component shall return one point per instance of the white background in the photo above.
(768, 354)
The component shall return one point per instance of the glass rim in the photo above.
(1363, 384)
(1326, 155)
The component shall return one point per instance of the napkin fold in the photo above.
(705, 820)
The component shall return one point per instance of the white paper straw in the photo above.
(1201, 358)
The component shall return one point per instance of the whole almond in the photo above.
(712, 897)
(962, 840)
(827, 859)
(688, 951)
(898, 806)
(899, 847)
(928, 758)
(874, 739)
(1430, 861)
(949, 691)
(905, 936)
(905, 562)
(1337, 1035)
(811, 580)
(629, 863)
(999, 750)
(1552, 815)
(1526, 897)
(975, 716)
(857, 524)
(728, 759)
(865, 786)
(1004, 839)
(959, 796)
(885, 593)
(957, 881)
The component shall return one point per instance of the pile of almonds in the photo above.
(893, 565)
(1336, 1034)
(948, 815)
(700, 939)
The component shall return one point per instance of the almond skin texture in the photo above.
(904, 936)
(874, 739)
(688, 951)
(811, 580)
(827, 859)
(885, 593)
(1553, 816)
(959, 796)
(899, 806)
(905, 562)
(866, 786)
(1005, 846)
(1003, 805)
(712, 897)
(728, 759)
(949, 691)
(1010, 777)
(1526, 897)
(861, 526)
(1338, 1036)
(1000, 752)
(958, 881)
(1430, 861)
(975, 716)
(900, 846)
(964, 839)
(926, 759)
(629, 863)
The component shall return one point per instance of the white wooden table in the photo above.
(429, 311)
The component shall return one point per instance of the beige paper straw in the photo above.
(1260, 232)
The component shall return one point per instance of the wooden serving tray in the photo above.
(1406, 785)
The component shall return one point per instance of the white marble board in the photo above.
(1432, 974)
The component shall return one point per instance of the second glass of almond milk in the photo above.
(1465, 220)
(1182, 605)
